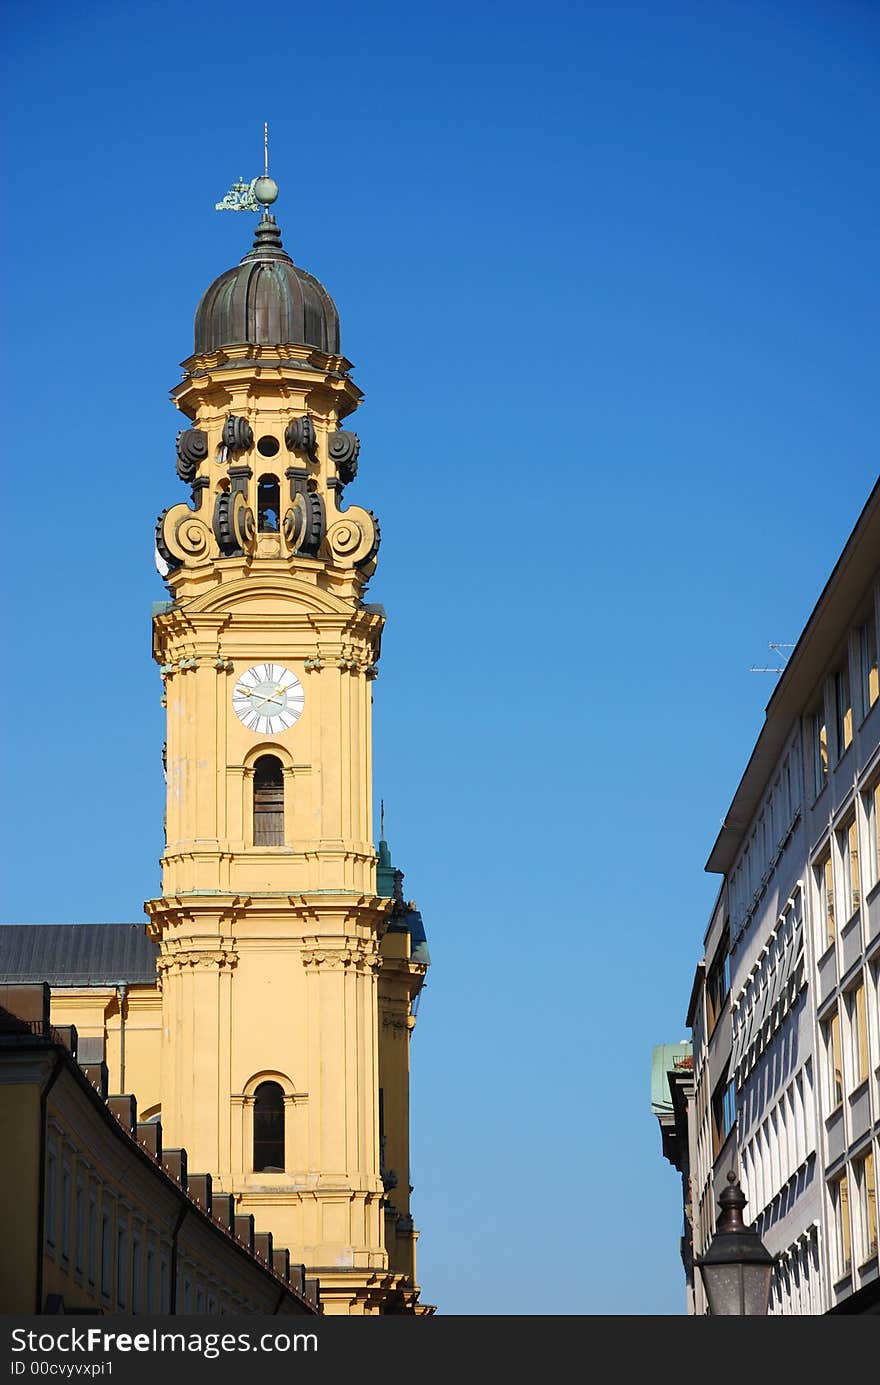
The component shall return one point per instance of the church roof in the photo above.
(77, 954)
(418, 938)
(267, 300)
(405, 918)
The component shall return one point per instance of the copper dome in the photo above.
(267, 300)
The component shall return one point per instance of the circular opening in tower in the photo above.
(268, 446)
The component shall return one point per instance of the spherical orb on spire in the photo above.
(265, 190)
(266, 300)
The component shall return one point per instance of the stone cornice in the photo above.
(217, 922)
(203, 956)
(318, 386)
(403, 970)
(341, 954)
(176, 910)
(341, 911)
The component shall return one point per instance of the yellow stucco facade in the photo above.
(276, 961)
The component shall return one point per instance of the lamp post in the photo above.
(737, 1266)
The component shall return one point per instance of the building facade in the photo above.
(672, 1102)
(785, 1007)
(266, 1016)
(122, 1225)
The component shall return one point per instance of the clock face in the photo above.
(268, 698)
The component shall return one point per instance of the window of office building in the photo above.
(843, 1238)
(825, 887)
(723, 1114)
(871, 801)
(831, 1037)
(718, 981)
(819, 749)
(843, 713)
(868, 667)
(848, 845)
(866, 1206)
(857, 1025)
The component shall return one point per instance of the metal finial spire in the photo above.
(382, 818)
(258, 194)
(265, 188)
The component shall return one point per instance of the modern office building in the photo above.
(785, 1006)
(672, 1102)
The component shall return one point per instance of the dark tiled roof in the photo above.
(418, 938)
(77, 954)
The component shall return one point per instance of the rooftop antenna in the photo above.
(382, 819)
(777, 647)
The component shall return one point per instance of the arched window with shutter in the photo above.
(268, 802)
(268, 1128)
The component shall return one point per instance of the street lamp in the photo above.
(736, 1268)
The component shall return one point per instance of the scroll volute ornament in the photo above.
(192, 449)
(238, 435)
(182, 537)
(165, 559)
(234, 527)
(344, 448)
(353, 539)
(300, 436)
(303, 525)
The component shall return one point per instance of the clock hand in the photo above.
(266, 702)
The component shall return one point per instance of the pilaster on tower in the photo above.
(270, 924)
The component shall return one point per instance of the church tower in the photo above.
(287, 977)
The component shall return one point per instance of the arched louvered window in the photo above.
(268, 504)
(268, 1128)
(268, 802)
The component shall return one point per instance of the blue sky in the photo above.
(608, 274)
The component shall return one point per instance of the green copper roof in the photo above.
(385, 872)
(404, 919)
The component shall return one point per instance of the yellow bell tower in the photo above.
(276, 1016)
